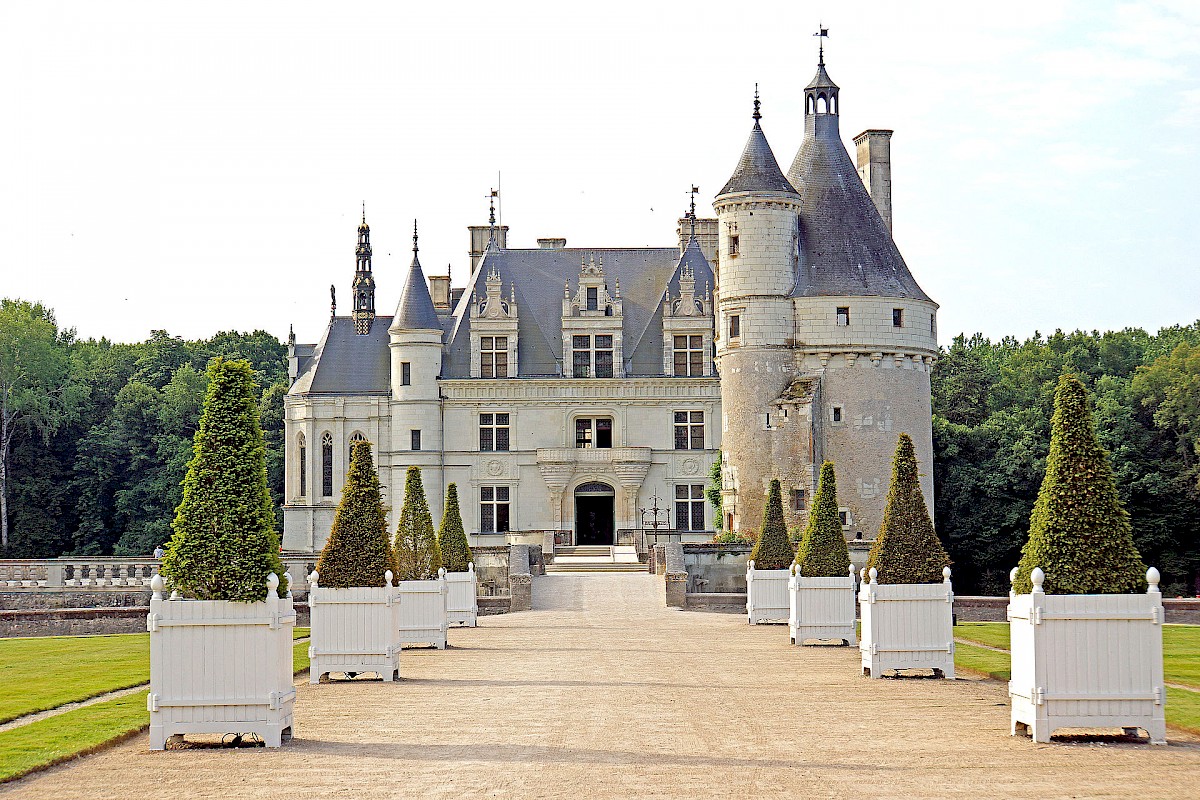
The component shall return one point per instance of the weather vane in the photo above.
(823, 33)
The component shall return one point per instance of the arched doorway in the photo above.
(594, 514)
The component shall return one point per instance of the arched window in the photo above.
(357, 436)
(302, 463)
(833, 102)
(326, 464)
(822, 104)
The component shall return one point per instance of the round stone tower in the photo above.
(757, 217)
(862, 323)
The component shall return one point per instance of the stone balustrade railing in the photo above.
(72, 572)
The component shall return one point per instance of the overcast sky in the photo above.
(201, 168)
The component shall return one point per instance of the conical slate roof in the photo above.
(415, 310)
(757, 170)
(846, 248)
(821, 80)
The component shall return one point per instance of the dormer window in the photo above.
(593, 298)
(493, 356)
(592, 356)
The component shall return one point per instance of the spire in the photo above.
(757, 170)
(332, 300)
(821, 94)
(691, 214)
(363, 287)
(415, 310)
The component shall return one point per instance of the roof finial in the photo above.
(364, 212)
(757, 103)
(823, 33)
(692, 209)
(332, 300)
(492, 213)
(415, 248)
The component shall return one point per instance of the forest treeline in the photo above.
(100, 434)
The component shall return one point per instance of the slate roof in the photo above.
(757, 170)
(846, 248)
(415, 310)
(345, 363)
(539, 276)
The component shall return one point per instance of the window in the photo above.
(843, 315)
(799, 499)
(302, 458)
(735, 245)
(493, 357)
(355, 437)
(845, 517)
(327, 464)
(897, 317)
(689, 430)
(592, 356)
(493, 433)
(689, 507)
(416, 440)
(689, 356)
(593, 298)
(835, 414)
(493, 509)
(735, 326)
(405, 373)
(594, 432)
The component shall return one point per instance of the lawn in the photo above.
(1181, 663)
(55, 670)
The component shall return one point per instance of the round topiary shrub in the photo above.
(1079, 534)
(823, 552)
(772, 550)
(417, 553)
(908, 549)
(224, 544)
(452, 537)
(359, 550)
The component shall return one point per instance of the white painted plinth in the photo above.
(1087, 661)
(462, 607)
(907, 626)
(354, 630)
(423, 612)
(766, 594)
(221, 667)
(822, 608)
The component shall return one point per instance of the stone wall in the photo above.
(716, 567)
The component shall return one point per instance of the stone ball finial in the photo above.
(156, 586)
(1152, 578)
(272, 584)
(387, 577)
(313, 577)
(750, 565)
(1012, 575)
(1038, 577)
(874, 574)
(946, 574)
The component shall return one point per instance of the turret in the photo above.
(757, 217)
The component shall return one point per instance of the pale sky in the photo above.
(202, 168)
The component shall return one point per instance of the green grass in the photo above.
(992, 634)
(300, 660)
(46, 672)
(1183, 709)
(49, 741)
(299, 633)
(985, 662)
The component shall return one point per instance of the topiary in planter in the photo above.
(417, 552)
(908, 549)
(1079, 534)
(452, 538)
(224, 544)
(823, 552)
(359, 550)
(773, 550)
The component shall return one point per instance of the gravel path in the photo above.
(602, 692)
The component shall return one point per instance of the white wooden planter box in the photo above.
(221, 667)
(462, 607)
(907, 626)
(1087, 661)
(423, 612)
(354, 630)
(766, 594)
(822, 608)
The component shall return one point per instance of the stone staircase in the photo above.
(595, 559)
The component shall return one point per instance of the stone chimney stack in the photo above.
(439, 291)
(875, 169)
(480, 234)
(552, 243)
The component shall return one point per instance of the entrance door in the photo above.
(594, 514)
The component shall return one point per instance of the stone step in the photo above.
(586, 567)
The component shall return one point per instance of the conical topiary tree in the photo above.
(359, 550)
(224, 544)
(452, 538)
(823, 552)
(908, 549)
(772, 550)
(1079, 534)
(417, 553)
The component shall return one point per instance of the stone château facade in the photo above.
(572, 389)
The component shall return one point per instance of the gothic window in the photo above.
(592, 356)
(493, 432)
(689, 507)
(689, 430)
(493, 357)
(416, 440)
(594, 432)
(843, 315)
(327, 464)
(302, 463)
(405, 373)
(355, 437)
(897, 317)
(493, 509)
(689, 356)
